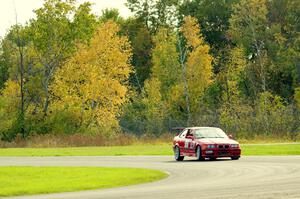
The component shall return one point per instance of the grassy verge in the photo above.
(161, 149)
(271, 149)
(36, 180)
(86, 140)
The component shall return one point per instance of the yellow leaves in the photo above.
(176, 98)
(270, 109)
(11, 96)
(199, 72)
(154, 105)
(165, 60)
(199, 62)
(235, 66)
(236, 63)
(93, 82)
(152, 88)
(12, 90)
(233, 106)
(113, 49)
(191, 31)
(279, 38)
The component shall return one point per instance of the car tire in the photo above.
(199, 154)
(235, 158)
(177, 154)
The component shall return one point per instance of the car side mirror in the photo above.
(230, 136)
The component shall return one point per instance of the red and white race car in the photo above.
(205, 142)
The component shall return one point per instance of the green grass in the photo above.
(36, 180)
(161, 149)
(271, 149)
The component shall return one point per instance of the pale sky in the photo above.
(25, 10)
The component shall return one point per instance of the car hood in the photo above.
(217, 141)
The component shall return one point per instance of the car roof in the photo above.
(201, 127)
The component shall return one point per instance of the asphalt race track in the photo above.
(250, 177)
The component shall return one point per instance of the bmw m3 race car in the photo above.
(205, 142)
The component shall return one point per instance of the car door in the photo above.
(181, 141)
(190, 143)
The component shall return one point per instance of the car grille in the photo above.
(223, 146)
(223, 150)
(223, 153)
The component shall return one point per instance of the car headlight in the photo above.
(210, 146)
(234, 146)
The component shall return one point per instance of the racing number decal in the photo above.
(186, 144)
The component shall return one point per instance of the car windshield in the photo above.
(209, 133)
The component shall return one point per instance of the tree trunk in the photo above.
(22, 109)
(184, 79)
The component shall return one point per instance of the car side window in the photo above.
(189, 133)
(182, 135)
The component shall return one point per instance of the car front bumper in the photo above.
(217, 153)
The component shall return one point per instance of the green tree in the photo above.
(55, 36)
(84, 23)
(167, 70)
(213, 18)
(154, 13)
(234, 109)
(141, 42)
(270, 114)
(4, 65)
(17, 54)
(297, 97)
(283, 46)
(248, 27)
(196, 63)
(166, 67)
(111, 14)
(155, 109)
(9, 110)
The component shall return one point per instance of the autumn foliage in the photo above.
(231, 64)
(92, 85)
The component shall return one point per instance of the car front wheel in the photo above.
(177, 154)
(198, 153)
(235, 158)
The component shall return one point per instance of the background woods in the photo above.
(233, 64)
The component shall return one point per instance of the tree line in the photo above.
(233, 64)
